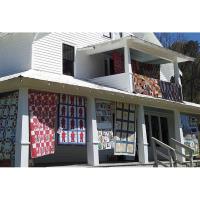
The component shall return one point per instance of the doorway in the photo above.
(157, 125)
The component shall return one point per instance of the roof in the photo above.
(58, 83)
(140, 45)
(4, 34)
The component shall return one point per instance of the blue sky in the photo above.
(186, 36)
(192, 36)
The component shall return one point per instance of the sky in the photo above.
(192, 36)
(171, 37)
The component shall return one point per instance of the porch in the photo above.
(55, 84)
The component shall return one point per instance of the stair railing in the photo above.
(170, 155)
(186, 148)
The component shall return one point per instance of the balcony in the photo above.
(112, 64)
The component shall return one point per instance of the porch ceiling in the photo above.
(144, 57)
(157, 53)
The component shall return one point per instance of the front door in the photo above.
(157, 125)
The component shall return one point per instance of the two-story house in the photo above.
(87, 97)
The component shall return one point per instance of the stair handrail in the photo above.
(189, 149)
(171, 153)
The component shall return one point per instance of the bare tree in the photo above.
(190, 70)
(167, 39)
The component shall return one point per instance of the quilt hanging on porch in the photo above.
(170, 91)
(125, 133)
(72, 120)
(42, 113)
(104, 113)
(191, 132)
(147, 86)
(8, 121)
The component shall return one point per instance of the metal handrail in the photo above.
(191, 151)
(170, 156)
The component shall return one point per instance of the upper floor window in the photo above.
(120, 34)
(68, 60)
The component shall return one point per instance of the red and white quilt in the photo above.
(72, 120)
(43, 113)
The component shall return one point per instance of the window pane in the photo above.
(68, 52)
(68, 60)
(164, 129)
(68, 67)
(155, 127)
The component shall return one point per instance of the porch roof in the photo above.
(136, 43)
(45, 81)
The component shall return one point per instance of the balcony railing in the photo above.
(120, 81)
(156, 88)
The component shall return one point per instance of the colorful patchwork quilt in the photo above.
(147, 86)
(104, 117)
(43, 113)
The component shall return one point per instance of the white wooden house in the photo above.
(131, 90)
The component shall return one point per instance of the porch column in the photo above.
(177, 74)
(127, 60)
(92, 133)
(22, 130)
(179, 133)
(128, 67)
(177, 77)
(142, 136)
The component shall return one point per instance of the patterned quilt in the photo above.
(43, 113)
(8, 121)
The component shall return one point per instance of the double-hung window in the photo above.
(68, 60)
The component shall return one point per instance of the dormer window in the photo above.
(68, 60)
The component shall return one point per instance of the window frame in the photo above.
(159, 115)
(74, 53)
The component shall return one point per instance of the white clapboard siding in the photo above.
(15, 52)
(121, 81)
(47, 50)
(47, 47)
